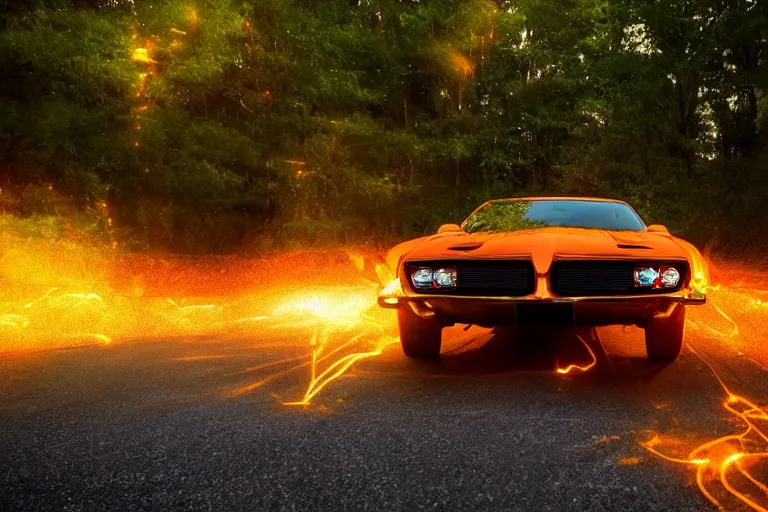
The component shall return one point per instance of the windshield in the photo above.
(500, 216)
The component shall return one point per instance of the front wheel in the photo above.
(664, 335)
(419, 337)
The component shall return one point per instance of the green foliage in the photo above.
(214, 124)
(501, 216)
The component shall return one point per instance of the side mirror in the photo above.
(449, 228)
(658, 228)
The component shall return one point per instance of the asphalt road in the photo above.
(159, 424)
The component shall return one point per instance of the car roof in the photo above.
(551, 198)
(557, 198)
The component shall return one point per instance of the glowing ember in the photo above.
(193, 17)
(462, 65)
(142, 55)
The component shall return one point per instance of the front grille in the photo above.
(589, 278)
(490, 278)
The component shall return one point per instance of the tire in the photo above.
(419, 337)
(664, 335)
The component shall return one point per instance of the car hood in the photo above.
(546, 244)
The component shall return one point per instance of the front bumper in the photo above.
(491, 311)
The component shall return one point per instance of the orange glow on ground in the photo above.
(59, 295)
(723, 464)
(332, 309)
(54, 297)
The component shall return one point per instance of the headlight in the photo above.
(657, 277)
(670, 277)
(422, 278)
(646, 277)
(445, 277)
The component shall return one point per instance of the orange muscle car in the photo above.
(548, 260)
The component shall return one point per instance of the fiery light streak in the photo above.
(329, 310)
(70, 311)
(337, 369)
(250, 319)
(41, 299)
(96, 337)
(735, 331)
(314, 361)
(714, 459)
(192, 359)
(74, 300)
(274, 363)
(204, 307)
(256, 385)
(15, 321)
(582, 368)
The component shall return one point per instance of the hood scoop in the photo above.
(468, 246)
(629, 242)
(632, 246)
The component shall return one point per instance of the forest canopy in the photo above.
(207, 125)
